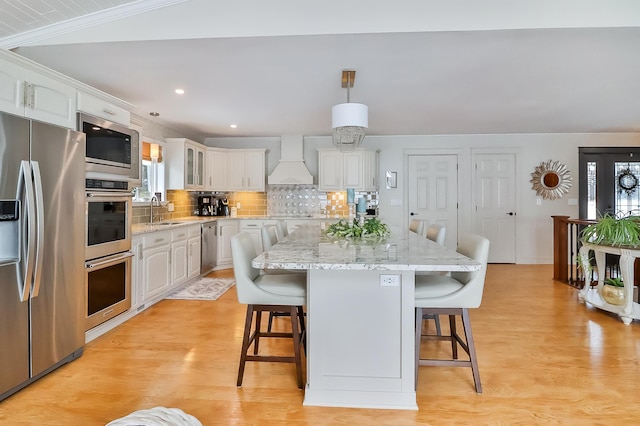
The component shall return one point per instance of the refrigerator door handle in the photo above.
(24, 193)
(37, 271)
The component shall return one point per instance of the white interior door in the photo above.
(433, 192)
(495, 204)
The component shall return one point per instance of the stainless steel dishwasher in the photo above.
(209, 247)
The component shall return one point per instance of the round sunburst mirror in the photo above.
(551, 180)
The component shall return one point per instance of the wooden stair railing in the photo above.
(566, 244)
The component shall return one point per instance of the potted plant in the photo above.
(613, 231)
(367, 228)
(613, 291)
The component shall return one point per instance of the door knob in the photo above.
(511, 214)
(413, 214)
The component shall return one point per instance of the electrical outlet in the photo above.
(389, 280)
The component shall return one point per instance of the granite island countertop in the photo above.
(310, 248)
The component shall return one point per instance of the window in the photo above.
(152, 172)
(608, 181)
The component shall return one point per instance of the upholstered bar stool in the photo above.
(267, 293)
(281, 227)
(269, 236)
(417, 226)
(437, 234)
(269, 239)
(453, 295)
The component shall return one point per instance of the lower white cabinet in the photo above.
(136, 272)
(253, 228)
(156, 264)
(185, 254)
(194, 254)
(164, 260)
(227, 228)
(179, 259)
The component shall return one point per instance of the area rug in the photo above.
(204, 289)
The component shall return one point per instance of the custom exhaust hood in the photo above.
(291, 169)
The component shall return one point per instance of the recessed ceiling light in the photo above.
(154, 114)
(180, 91)
(233, 126)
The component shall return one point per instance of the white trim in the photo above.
(28, 38)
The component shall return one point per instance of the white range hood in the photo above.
(291, 169)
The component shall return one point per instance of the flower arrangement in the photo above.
(369, 228)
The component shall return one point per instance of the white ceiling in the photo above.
(423, 66)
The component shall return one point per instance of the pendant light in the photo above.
(349, 119)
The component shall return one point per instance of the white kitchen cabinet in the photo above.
(194, 254)
(352, 176)
(156, 264)
(194, 245)
(136, 272)
(253, 227)
(338, 170)
(246, 170)
(30, 94)
(179, 256)
(226, 229)
(370, 170)
(329, 170)
(185, 164)
(216, 170)
(103, 108)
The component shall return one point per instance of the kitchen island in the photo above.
(360, 312)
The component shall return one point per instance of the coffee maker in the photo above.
(223, 207)
(205, 205)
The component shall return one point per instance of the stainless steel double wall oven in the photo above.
(108, 209)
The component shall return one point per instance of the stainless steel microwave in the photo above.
(111, 148)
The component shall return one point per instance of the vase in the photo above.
(612, 294)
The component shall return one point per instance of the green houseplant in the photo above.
(613, 231)
(370, 228)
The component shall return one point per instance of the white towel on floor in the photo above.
(157, 416)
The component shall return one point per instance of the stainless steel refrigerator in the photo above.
(42, 171)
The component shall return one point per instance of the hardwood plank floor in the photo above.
(544, 359)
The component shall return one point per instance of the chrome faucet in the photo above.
(151, 205)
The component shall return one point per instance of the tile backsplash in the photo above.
(279, 200)
(184, 204)
(294, 200)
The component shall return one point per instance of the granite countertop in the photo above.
(143, 228)
(310, 248)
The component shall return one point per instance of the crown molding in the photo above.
(100, 17)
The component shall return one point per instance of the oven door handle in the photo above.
(110, 194)
(109, 260)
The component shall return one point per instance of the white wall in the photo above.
(534, 233)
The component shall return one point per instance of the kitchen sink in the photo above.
(167, 223)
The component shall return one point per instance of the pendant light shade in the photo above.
(349, 120)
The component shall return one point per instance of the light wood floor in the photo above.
(544, 359)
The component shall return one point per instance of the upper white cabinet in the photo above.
(338, 170)
(103, 108)
(30, 94)
(185, 164)
(246, 170)
(216, 170)
(329, 170)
